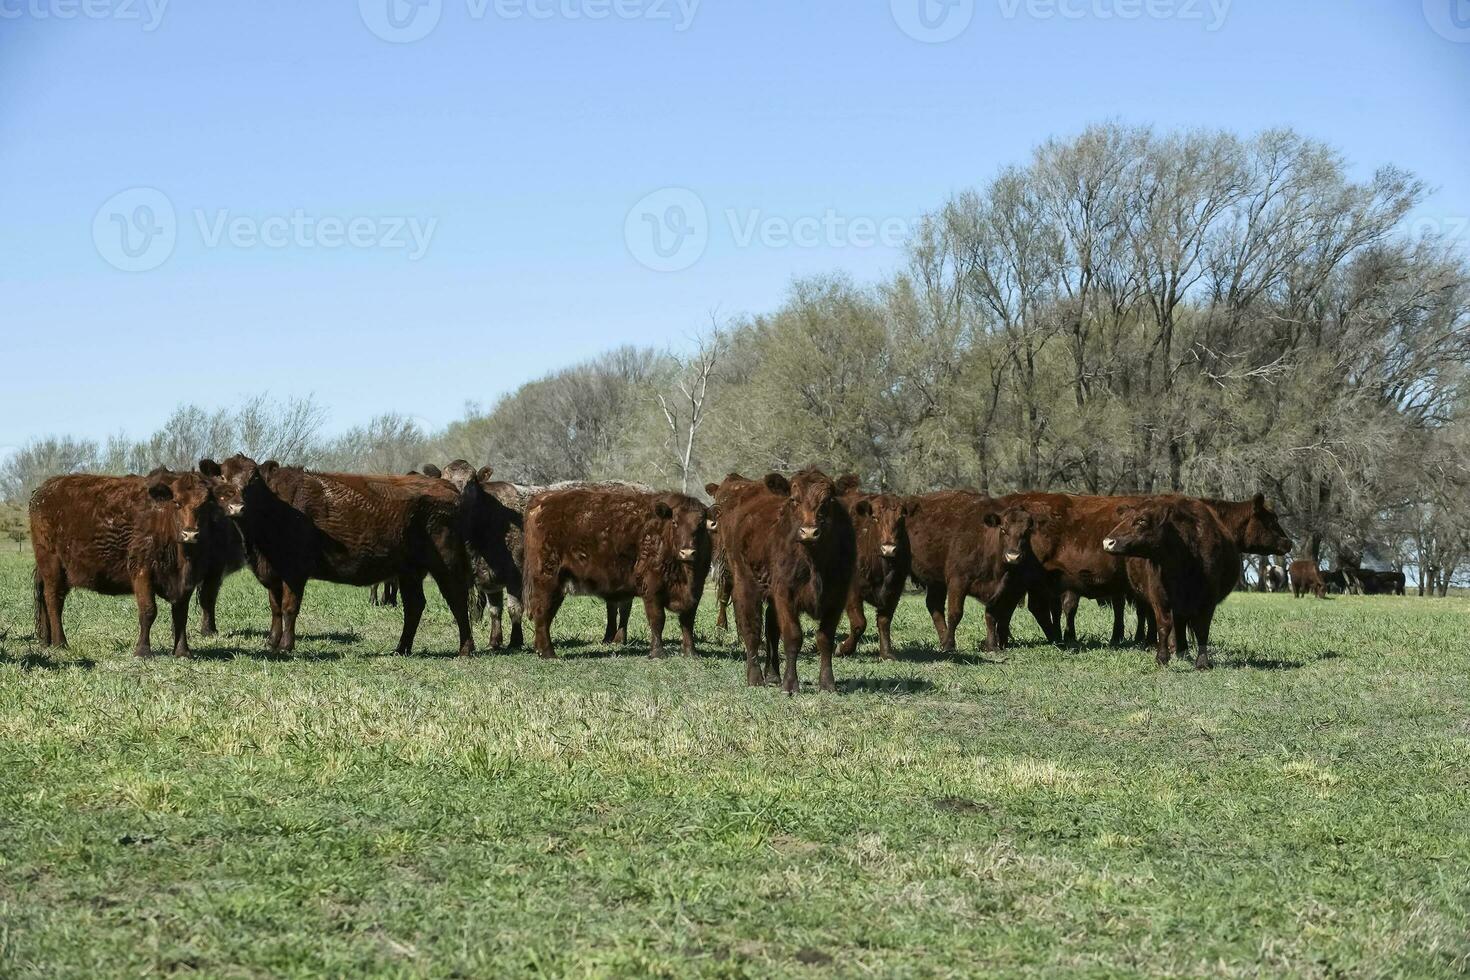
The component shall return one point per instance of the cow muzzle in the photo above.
(1013, 557)
(686, 554)
(235, 510)
(189, 537)
(888, 550)
(809, 533)
(1110, 545)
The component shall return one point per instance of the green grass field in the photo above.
(1304, 809)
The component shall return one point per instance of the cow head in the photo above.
(462, 474)
(684, 526)
(187, 499)
(886, 515)
(712, 518)
(249, 478)
(1263, 533)
(227, 495)
(811, 500)
(1144, 529)
(1014, 525)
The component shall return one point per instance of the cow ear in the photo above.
(1123, 509)
(862, 509)
(992, 519)
(910, 507)
(1259, 503)
(778, 484)
(267, 469)
(431, 470)
(712, 518)
(711, 488)
(210, 468)
(160, 487)
(847, 484)
(485, 473)
(663, 510)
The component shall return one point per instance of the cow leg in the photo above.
(208, 596)
(517, 611)
(390, 593)
(723, 589)
(373, 599)
(956, 600)
(773, 645)
(291, 593)
(457, 596)
(748, 624)
(1069, 615)
(857, 623)
(1118, 632)
(495, 607)
(411, 593)
(885, 644)
(654, 610)
(1181, 634)
(273, 638)
(180, 612)
(826, 632)
(1043, 610)
(1202, 639)
(789, 621)
(625, 612)
(147, 613)
(992, 631)
(55, 599)
(610, 632)
(1164, 617)
(545, 603)
(43, 617)
(686, 631)
(934, 602)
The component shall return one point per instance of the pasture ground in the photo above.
(1304, 809)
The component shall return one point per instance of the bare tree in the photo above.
(684, 408)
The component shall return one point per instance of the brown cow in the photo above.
(495, 513)
(1182, 561)
(967, 544)
(229, 557)
(616, 543)
(791, 546)
(299, 525)
(725, 496)
(154, 537)
(883, 561)
(1306, 577)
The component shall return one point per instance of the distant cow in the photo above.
(791, 547)
(967, 544)
(495, 512)
(1182, 562)
(616, 543)
(1336, 580)
(1372, 582)
(1067, 541)
(300, 525)
(883, 561)
(154, 537)
(1306, 578)
(1275, 578)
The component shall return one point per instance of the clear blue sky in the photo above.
(527, 140)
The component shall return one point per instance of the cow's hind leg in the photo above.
(857, 623)
(1069, 616)
(147, 613)
(411, 594)
(1202, 639)
(826, 631)
(654, 610)
(180, 611)
(748, 624)
(934, 602)
(208, 597)
(789, 621)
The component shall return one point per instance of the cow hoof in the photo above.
(142, 653)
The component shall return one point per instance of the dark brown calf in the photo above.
(792, 547)
(616, 543)
(299, 525)
(882, 565)
(1306, 578)
(725, 496)
(966, 544)
(153, 537)
(1182, 561)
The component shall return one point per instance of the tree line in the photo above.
(1127, 311)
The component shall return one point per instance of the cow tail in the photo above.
(43, 622)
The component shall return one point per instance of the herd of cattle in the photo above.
(782, 548)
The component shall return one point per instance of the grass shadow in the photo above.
(39, 660)
(328, 636)
(263, 654)
(884, 685)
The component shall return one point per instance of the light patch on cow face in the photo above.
(231, 501)
(687, 529)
